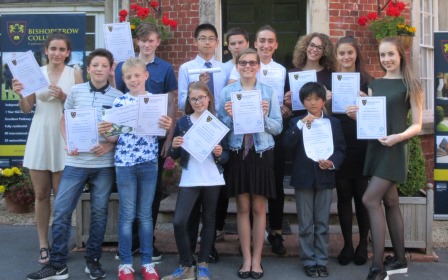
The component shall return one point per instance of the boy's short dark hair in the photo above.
(100, 52)
(311, 88)
(266, 27)
(145, 29)
(237, 31)
(205, 26)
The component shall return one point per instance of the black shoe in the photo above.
(49, 272)
(361, 254)
(93, 267)
(156, 254)
(311, 271)
(322, 270)
(243, 274)
(377, 274)
(346, 255)
(276, 242)
(393, 266)
(257, 275)
(214, 256)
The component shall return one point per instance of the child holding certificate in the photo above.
(200, 181)
(387, 158)
(251, 161)
(313, 180)
(136, 169)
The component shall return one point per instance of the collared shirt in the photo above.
(161, 77)
(80, 97)
(219, 79)
(228, 68)
(132, 149)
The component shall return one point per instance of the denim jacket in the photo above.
(182, 126)
(272, 122)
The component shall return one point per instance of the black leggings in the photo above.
(384, 190)
(348, 189)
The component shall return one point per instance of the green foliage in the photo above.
(440, 114)
(416, 171)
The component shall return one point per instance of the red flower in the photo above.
(362, 20)
(393, 11)
(154, 4)
(165, 19)
(172, 23)
(400, 6)
(123, 13)
(372, 16)
(122, 19)
(134, 7)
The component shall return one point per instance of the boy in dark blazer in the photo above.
(313, 180)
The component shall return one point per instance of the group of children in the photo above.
(242, 165)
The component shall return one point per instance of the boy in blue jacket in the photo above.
(313, 180)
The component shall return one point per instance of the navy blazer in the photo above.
(182, 126)
(306, 173)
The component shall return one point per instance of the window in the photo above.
(427, 19)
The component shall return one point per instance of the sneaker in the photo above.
(149, 272)
(93, 267)
(49, 272)
(393, 266)
(203, 273)
(376, 274)
(276, 242)
(213, 257)
(182, 273)
(156, 254)
(125, 272)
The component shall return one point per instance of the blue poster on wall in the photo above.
(441, 124)
(21, 33)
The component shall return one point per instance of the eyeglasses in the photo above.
(205, 39)
(318, 48)
(200, 99)
(243, 63)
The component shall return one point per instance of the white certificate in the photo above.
(275, 79)
(81, 129)
(203, 70)
(371, 121)
(24, 68)
(296, 81)
(345, 89)
(123, 119)
(204, 135)
(150, 109)
(247, 112)
(118, 40)
(318, 139)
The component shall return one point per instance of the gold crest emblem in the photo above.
(110, 27)
(17, 31)
(146, 100)
(265, 72)
(14, 62)
(364, 101)
(209, 119)
(308, 125)
(296, 76)
(339, 77)
(73, 114)
(239, 96)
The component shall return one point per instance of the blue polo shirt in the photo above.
(161, 77)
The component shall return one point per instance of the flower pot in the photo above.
(14, 207)
(406, 41)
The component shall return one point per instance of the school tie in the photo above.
(248, 143)
(210, 82)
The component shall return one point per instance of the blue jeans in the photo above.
(136, 188)
(72, 184)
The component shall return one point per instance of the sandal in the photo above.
(44, 256)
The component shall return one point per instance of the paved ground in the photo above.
(19, 257)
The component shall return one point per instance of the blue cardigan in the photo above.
(182, 126)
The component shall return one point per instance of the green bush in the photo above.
(440, 114)
(416, 172)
